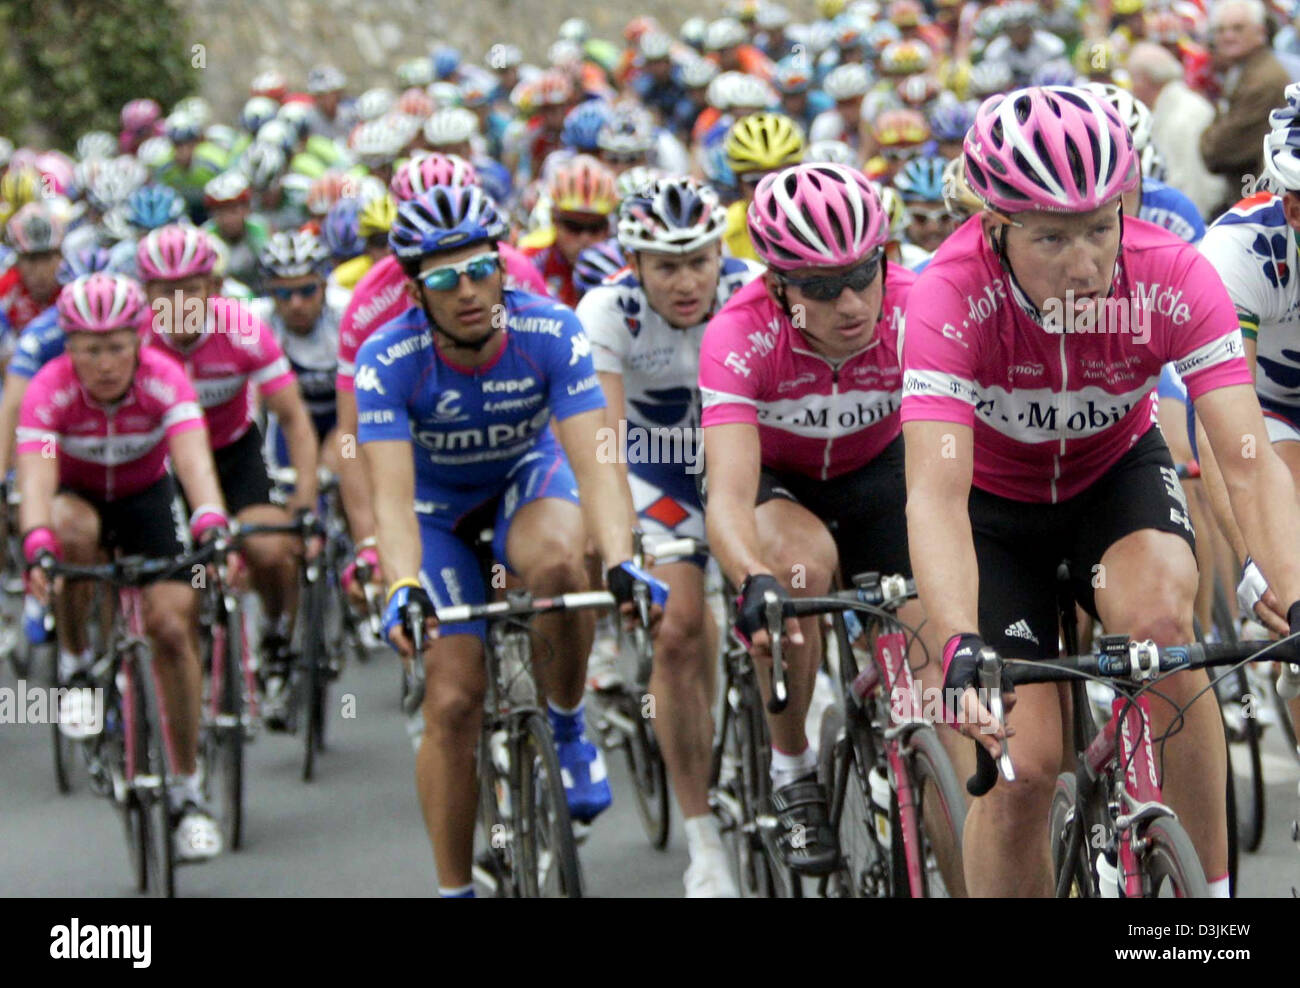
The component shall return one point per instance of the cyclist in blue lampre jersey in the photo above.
(455, 398)
(307, 329)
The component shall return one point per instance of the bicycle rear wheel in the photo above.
(1170, 866)
(545, 852)
(845, 756)
(645, 763)
(1062, 830)
(941, 815)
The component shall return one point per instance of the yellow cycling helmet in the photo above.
(377, 216)
(583, 185)
(763, 142)
(1122, 8)
(900, 128)
(18, 187)
(831, 8)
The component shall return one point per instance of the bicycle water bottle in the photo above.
(1108, 873)
(35, 627)
(880, 799)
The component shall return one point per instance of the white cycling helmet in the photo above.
(1131, 110)
(724, 33)
(698, 72)
(831, 151)
(655, 45)
(453, 125)
(847, 81)
(740, 91)
(374, 103)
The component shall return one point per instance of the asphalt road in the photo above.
(357, 829)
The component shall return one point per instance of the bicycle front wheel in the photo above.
(545, 853)
(844, 760)
(1061, 831)
(1170, 866)
(228, 730)
(150, 780)
(645, 763)
(941, 815)
(314, 683)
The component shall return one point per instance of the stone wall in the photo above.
(368, 38)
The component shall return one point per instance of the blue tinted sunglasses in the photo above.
(306, 291)
(444, 279)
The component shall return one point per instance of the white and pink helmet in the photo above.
(815, 215)
(421, 174)
(1053, 148)
(171, 253)
(101, 303)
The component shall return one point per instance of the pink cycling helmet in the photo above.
(1053, 148)
(421, 174)
(101, 303)
(815, 215)
(140, 114)
(171, 253)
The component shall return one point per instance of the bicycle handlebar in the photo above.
(1118, 659)
(128, 571)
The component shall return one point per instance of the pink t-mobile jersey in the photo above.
(814, 417)
(1053, 410)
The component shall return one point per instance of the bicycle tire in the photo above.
(494, 818)
(311, 660)
(941, 810)
(866, 869)
(61, 745)
(229, 733)
(1249, 792)
(545, 853)
(757, 880)
(1065, 803)
(157, 812)
(645, 764)
(1170, 855)
(135, 819)
(1230, 805)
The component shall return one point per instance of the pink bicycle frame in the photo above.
(1126, 740)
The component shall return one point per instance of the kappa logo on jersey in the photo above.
(1273, 250)
(581, 348)
(367, 379)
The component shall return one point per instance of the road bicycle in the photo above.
(128, 759)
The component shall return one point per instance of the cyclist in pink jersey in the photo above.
(383, 294)
(231, 357)
(1034, 341)
(112, 413)
(801, 384)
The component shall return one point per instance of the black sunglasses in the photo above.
(306, 291)
(591, 226)
(827, 288)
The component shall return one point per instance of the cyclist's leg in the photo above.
(1018, 548)
(445, 776)
(77, 523)
(171, 621)
(1173, 424)
(1143, 584)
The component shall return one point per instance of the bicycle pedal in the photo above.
(581, 831)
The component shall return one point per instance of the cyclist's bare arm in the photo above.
(11, 400)
(615, 410)
(940, 465)
(353, 483)
(734, 458)
(191, 457)
(1260, 490)
(391, 468)
(602, 488)
(38, 482)
(287, 406)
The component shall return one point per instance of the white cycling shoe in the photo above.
(709, 876)
(197, 837)
(80, 717)
(604, 670)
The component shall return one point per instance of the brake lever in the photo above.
(414, 620)
(989, 664)
(772, 613)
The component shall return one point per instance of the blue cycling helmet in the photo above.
(83, 262)
(152, 206)
(339, 231)
(950, 121)
(595, 264)
(494, 179)
(921, 179)
(446, 217)
(446, 60)
(583, 123)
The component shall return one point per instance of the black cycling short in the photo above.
(1020, 545)
(241, 470)
(865, 510)
(147, 523)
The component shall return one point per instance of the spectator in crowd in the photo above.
(1253, 81)
(1179, 116)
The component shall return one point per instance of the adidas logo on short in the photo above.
(1021, 629)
